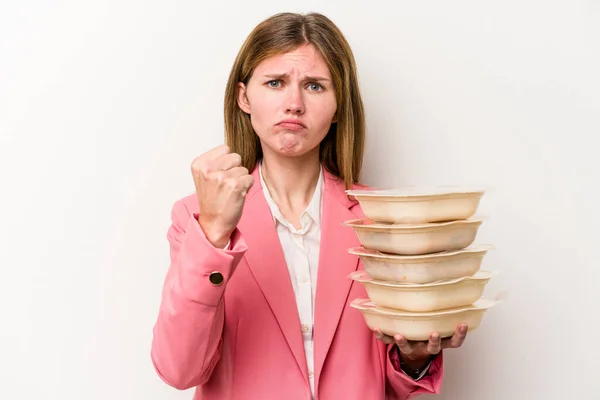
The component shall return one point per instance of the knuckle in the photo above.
(196, 164)
(219, 178)
(204, 170)
(237, 158)
(232, 184)
(200, 172)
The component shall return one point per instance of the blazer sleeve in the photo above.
(400, 386)
(187, 335)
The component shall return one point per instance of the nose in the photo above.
(294, 100)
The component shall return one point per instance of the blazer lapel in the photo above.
(267, 264)
(335, 264)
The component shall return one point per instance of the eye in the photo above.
(315, 87)
(274, 83)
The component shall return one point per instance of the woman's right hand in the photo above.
(221, 186)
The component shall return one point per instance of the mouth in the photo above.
(291, 124)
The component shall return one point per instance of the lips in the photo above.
(291, 124)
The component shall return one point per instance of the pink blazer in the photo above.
(243, 340)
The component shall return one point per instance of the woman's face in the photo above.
(291, 102)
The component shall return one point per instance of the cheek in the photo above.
(325, 117)
(258, 117)
(263, 111)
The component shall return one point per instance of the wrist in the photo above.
(414, 366)
(217, 237)
(419, 363)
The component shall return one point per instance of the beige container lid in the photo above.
(432, 257)
(364, 277)
(369, 306)
(417, 193)
(366, 224)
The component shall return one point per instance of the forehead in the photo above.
(305, 59)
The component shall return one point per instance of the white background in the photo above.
(103, 105)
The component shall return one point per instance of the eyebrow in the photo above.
(306, 78)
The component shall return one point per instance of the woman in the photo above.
(255, 303)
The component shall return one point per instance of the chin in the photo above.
(291, 152)
(291, 148)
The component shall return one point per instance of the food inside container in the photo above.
(418, 205)
(424, 297)
(418, 326)
(416, 239)
(421, 268)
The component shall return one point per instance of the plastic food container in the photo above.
(416, 239)
(418, 326)
(418, 205)
(426, 297)
(421, 269)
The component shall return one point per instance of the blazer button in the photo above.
(216, 278)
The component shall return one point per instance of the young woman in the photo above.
(255, 303)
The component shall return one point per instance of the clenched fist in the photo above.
(221, 185)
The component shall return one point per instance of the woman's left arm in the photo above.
(405, 361)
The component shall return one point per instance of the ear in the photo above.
(335, 119)
(242, 98)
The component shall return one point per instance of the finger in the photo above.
(235, 172)
(382, 336)
(459, 337)
(403, 344)
(378, 333)
(238, 178)
(217, 159)
(240, 184)
(434, 346)
(225, 162)
(217, 152)
(246, 183)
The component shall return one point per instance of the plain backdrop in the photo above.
(104, 104)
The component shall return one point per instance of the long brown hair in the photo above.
(341, 151)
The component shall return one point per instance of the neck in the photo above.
(291, 181)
